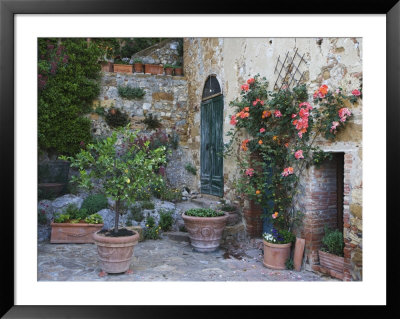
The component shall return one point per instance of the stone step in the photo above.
(178, 236)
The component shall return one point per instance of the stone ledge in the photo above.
(178, 236)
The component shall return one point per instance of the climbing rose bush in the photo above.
(281, 129)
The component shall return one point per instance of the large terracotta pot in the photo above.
(331, 261)
(67, 233)
(115, 253)
(205, 233)
(153, 69)
(275, 255)
(123, 68)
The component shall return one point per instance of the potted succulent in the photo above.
(169, 69)
(123, 168)
(178, 69)
(331, 252)
(138, 65)
(205, 227)
(75, 226)
(123, 65)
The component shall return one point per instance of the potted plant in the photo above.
(123, 65)
(75, 226)
(124, 169)
(106, 66)
(233, 214)
(138, 65)
(178, 69)
(277, 245)
(331, 252)
(169, 69)
(205, 227)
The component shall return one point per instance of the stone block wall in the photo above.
(165, 52)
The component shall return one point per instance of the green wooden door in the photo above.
(211, 160)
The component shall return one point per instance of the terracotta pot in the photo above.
(205, 233)
(123, 68)
(115, 253)
(79, 233)
(153, 69)
(169, 71)
(275, 255)
(106, 66)
(331, 261)
(138, 67)
(178, 71)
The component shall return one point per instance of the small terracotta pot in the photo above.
(178, 71)
(138, 67)
(106, 66)
(115, 253)
(275, 255)
(80, 233)
(331, 261)
(205, 233)
(169, 71)
(123, 68)
(153, 69)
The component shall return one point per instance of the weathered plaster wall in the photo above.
(336, 62)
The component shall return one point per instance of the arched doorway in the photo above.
(211, 147)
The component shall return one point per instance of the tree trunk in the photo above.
(116, 217)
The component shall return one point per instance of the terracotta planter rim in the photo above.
(75, 224)
(116, 240)
(184, 216)
(276, 245)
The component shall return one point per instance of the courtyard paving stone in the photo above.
(165, 260)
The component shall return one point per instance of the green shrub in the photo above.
(203, 212)
(164, 192)
(116, 118)
(94, 203)
(94, 219)
(289, 264)
(137, 60)
(333, 242)
(152, 231)
(191, 169)
(69, 75)
(147, 205)
(166, 220)
(129, 93)
(168, 66)
(137, 214)
(228, 208)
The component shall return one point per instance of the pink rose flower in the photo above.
(299, 154)
(262, 130)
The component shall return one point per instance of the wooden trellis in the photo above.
(288, 70)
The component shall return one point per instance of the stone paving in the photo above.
(165, 260)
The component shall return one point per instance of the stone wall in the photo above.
(336, 62)
(165, 52)
(166, 98)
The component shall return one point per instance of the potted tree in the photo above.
(123, 65)
(205, 227)
(331, 252)
(123, 169)
(75, 226)
(138, 65)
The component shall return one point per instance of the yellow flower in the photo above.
(126, 171)
(128, 180)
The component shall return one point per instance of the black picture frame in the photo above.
(7, 11)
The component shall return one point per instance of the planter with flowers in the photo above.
(123, 65)
(124, 169)
(205, 227)
(281, 127)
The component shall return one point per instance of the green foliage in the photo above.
(94, 203)
(191, 169)
(99, 109)
(166, 220)
(289, 264)
(203, 212)
(152, 122)
(164, 192)
(62, 218)
(228, 208)
(152, 231)
(282, 127)
(68, 83)
(137, 60)
(177, 66)
(130, 93)
(168, 66)
(94, 219)
(333, 242)
(147, 205)
(122, 168)
(116, 118)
